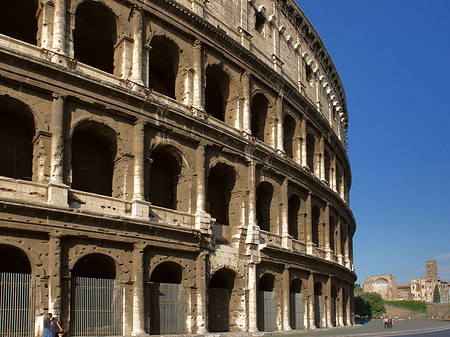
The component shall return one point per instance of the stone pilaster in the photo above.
(138, 43)
(303, 160)
(202, 219)
(286, 238)
(309, 242)
(201, 265)
(55, 272)
(198, 101)
(328, 302)
(246, 113)
(311, 310)
(59, 31)
(280, 131)
(140, 208)
(138, 291)
(286, 300)
(326, 229)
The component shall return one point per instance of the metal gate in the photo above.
(318, 310)
(17, 297)
(167, 308)
(96, 307)
(267, 311)
(219, 309)
(297, 311)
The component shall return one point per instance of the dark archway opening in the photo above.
(318, 304)
(310, 151)
(219, 295)
(164, 57)
(167, 272)
(297, 306)
(95, 35)
(266, 303)
(289, 133)
(18, 20)
(259, 109)
(14, 260)
(264, 194)
(217, 91)
(315, 225)
(293, 209)
(95, 266)
(221, 181)
(164, 171)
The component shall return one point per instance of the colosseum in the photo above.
(171, 166)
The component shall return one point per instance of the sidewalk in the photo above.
(372, 328)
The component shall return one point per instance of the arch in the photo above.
(163, 65)
(95, 265)
(293, 210)
(316, 213)
(18, 20)
(266, 303)
(95, 35)
(221, 181)
(289, 134)
(334, 303)
(167, 272)
(259, 113)
(217, 91)
(327, 166)
(15, 260)
(94, 147)
(266, 282)
(310, 151)
(332, 226)
(165, 169)
(264, 194)
(220, 288)
(318, 308)
(297, 304)
(17, 131)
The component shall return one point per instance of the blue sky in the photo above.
(393, 57)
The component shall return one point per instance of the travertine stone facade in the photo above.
(188, 147)
(385, 285)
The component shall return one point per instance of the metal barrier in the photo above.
(297, 311)
(267, 311)
(168, 309)
(96, 307)
(17, 299)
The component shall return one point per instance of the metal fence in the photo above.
(219, 309)
(318, 310)
(267, 311)
(17, 298)
(96, 307)
(168, 309)
(297, 311)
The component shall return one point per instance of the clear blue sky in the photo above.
(393, 57)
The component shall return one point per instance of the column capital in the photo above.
(197, 44)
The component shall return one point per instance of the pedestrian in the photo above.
(47, 323)
(56, 327)
(390, 322)
(385, 321)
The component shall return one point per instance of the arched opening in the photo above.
(17, 293)
(259, 21)
(310, 151)
(96, 299)
(297, 305)
(331, 232)
(221, 181)
(293, 209)
(318, 309)
(93, 154)
(338, 179)
(264, 194)
(266, 303)
(18, 20)
(259, 109)
(327, 167)
(164, 58)
(333, 305)
(167, 300)
(219, 295)
(315, 225)
(344, 306)
(16, 139)
(289, 133)
(164, 172)
(95, 35)
(217, 91)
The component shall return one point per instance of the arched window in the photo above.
(93, 157)
(95, 266)
(220, 288)
(297, 305)
(327, 167)
(18, 20)
(266, 303)
(318, 308)
(164, 172)
(16, 140)
(95, 35)
(163, 71)
(333, 305)
(264, 195)
(221, 181)
(310, 151)
(293, 209)
(14, 261)
(332, 228)
(217, 91)
(259, 109)
(289, 133)
(315, 225)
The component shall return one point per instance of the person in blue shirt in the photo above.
(47, 323)
(56, 327)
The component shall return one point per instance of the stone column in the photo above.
(348, 306)
(59, 31)
(246, 112)
(202, 219)
(202, 295)
(138, 291)
(140, 208)
(322, 158)
(328, 302)
(303, 159)
(339, 309)
(311, 299)
(138, 27)
(346, 246)
(286, 300)
(338, 241)
(309, 242)
(55, 273)
(198, 101)
(327, 231)
(57, 192)
(252, 299)
(286, 238)
(280, 133)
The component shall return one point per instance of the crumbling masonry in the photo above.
(180, 151)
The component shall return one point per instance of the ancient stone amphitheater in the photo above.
(171, 166)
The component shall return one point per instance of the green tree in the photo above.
(357, 287)
(362, 307)
(436, 295)
(376, 303)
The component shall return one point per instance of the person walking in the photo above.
(56, 327)
(47, 323)
(386, 323)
